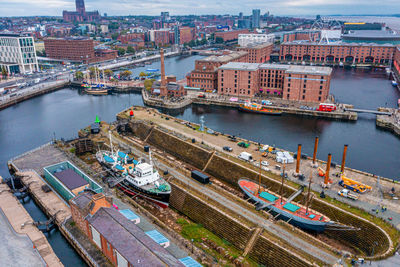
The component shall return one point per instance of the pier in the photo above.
(23, 225)
(390, 122)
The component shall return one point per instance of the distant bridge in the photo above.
(368, 111)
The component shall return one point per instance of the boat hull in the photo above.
(97, 91)
(315, 226)
(272, 113)
(161, 199)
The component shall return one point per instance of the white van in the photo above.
(245, 156)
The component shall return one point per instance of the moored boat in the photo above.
(257, 108)
(136, 178)
(394, 83)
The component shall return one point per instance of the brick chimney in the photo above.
(163, 86)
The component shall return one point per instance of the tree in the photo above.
(125, 74)
(142, 74)
(108, 73)
(192, 43)
(148, 84)
(4, 73)
(219, 40)
(92, 71)
(79, 75)
(114, 36)
(130, 50)
(121, 51)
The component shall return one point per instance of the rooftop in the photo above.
(225, 58)
(339, 43)
(127, 238)
(240, 66)
(256, 45)
(70, 179)
(295, 69)
(371, 34)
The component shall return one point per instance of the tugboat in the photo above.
(257, 108)
(283, 208)
(136, 177)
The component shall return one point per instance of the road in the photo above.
(269, 226)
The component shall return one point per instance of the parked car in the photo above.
(243, 144)
(264, 163)
(227, 148)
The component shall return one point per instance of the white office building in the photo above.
(253, 38)
(18, 53)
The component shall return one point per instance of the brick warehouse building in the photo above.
(396, 63)
(258, 53)
(299, 83)
(120, 240)
(230, 35)
(76, 49)
(350, 53)
(205, 73)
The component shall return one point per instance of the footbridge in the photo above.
(368, 111)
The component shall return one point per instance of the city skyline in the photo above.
(186, 7)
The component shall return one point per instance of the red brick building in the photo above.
(301, 35)
(258, 53)
(186, 34)
(79, 49)
(127, 38)
(230, 35)
(348, 53)
(120, 240)
(299, 83)
(76, 49)
(396, 63)
(205, 73)
(161, 37)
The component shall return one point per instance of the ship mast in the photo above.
(309, 191)
(104, 81)
(111, 146)
(259, 180)
(283, 177)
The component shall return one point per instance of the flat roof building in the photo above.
(291, 82)
(18, 53)
(246, 39)
(372, 36)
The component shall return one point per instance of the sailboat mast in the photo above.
(309, 191)
(104, 81)
(283, 177)
(95, 71)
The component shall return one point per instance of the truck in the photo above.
(353, 185)
(348, 194)
(245, 156)
(200, 177)
(37, 80)
(326, 107)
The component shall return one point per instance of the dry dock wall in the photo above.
(263, 251)
(230, 172)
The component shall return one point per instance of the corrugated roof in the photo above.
(129, 240)
(130, 215)
(190, 262)
(157, 236)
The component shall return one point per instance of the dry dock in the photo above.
(15, 249)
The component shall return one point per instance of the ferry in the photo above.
(136, 178)
(295, 214)
(257, 108)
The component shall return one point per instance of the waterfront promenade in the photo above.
(19, 240)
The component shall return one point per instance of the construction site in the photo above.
(215, 222)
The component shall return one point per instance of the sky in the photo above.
(199, 7)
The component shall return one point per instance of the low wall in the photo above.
(264, 251)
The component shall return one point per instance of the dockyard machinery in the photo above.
(354, 185)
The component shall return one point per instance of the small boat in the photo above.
(257, 108)
(97, 91)
(152, 70)
(135, 177)
(394, 83)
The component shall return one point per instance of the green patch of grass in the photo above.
(72, 150)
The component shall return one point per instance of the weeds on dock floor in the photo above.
(219, 248)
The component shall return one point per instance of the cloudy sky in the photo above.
(182, 7)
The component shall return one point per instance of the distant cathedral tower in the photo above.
(80, 6)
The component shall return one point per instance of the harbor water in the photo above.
(62, 113)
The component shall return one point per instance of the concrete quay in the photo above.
(37, 90)
(23, 244)
(29, 168)
(390, 123)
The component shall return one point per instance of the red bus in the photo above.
(326, 107)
